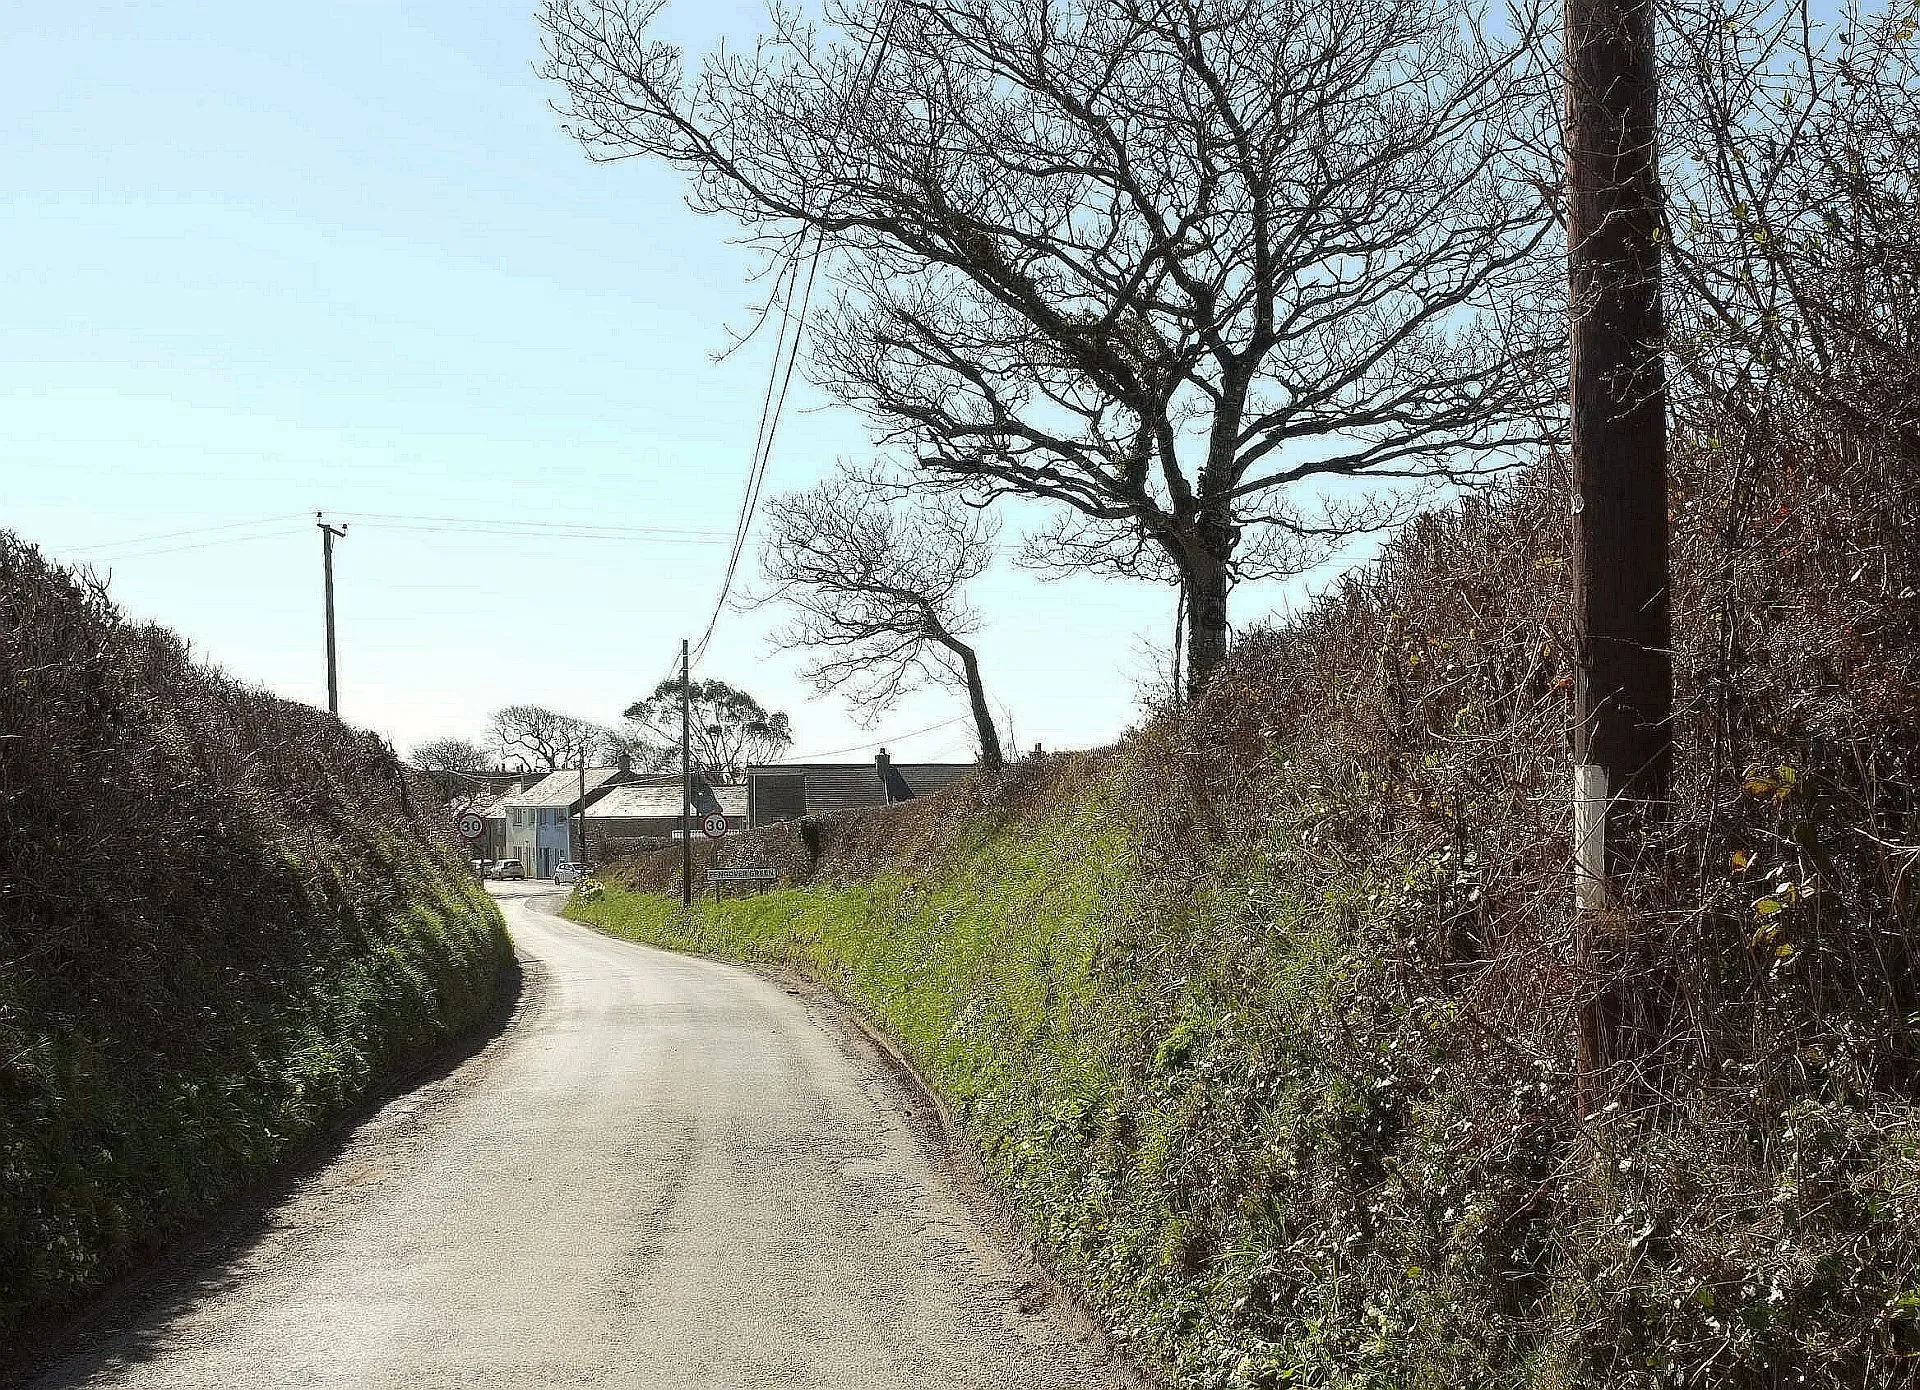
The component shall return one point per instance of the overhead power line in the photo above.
(401, 521)
(771, 409)
(188, 531)
(277, 534)
(191, 537)
(505, 532)
(774, 403)
(877, 743)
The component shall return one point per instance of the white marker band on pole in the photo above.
(1589, 837)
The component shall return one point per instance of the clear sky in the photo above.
(258, 260)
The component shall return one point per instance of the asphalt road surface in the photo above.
(665, 1172)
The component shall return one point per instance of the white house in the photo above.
(540, 820)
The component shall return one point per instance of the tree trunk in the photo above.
(1623, 695)
(991, 757)
(1205, 580)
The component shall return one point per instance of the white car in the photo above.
(509, 868)
(569, 872)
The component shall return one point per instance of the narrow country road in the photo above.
(665, 1173)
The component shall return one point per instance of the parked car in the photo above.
(483, 868)
(509, 868)
(570, 872)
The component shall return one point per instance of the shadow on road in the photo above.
(199, 1263)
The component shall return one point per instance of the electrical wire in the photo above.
(875, 51)
(198, 545)
(763, 451)
(506, 532)
(130, 547)
(877, 743)
(400, 521)
(188, 531)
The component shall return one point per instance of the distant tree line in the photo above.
(729, 729)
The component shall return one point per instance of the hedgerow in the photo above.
(224, 918)
(1265, 1020)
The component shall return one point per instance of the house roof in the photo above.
(842, 786)
(661, 800)
(867, 766)
(561, 788)
(491, 807)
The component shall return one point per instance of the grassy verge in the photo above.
(107, 1151)
(1004, 977)
(1272, 1156)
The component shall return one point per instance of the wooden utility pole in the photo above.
(686, 783)
(328, 535)
(1623, 692)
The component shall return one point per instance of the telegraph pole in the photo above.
(580, 850)
(1623, 691)
(686, 783)
(328, 535)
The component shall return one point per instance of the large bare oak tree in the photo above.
(1174, 265)
(546, 740)
(878, 586)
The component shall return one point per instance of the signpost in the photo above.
(470, 826)
(714, 826)
(716, 877)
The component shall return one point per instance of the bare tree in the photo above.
(1794, 213)
(451, 764)
(728, 729)
(642, 751)
(1178, 266)
(547, 739)
(878, 591)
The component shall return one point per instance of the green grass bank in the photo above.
(1273, 1022)
(1201, 1102)
(1269, 1158)
(225, 920)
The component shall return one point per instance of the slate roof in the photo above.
(493, 807)
(846, 786)
(561, 788)
(661, 801)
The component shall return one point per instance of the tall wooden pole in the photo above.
(328, 535)
(686, 783)
(1623, 692)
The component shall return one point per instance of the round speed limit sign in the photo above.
(470, 826)
(714, 827)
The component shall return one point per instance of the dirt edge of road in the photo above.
(941, 1135)
(241, 1218)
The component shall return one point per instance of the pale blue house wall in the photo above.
(538, 837)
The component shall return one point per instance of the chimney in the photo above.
(625, 761)
(883, 765)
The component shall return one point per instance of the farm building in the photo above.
(648, 812)
(788, 791)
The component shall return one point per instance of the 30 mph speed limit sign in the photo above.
(714, 827)
(470, 826)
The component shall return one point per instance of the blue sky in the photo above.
(260, 260)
